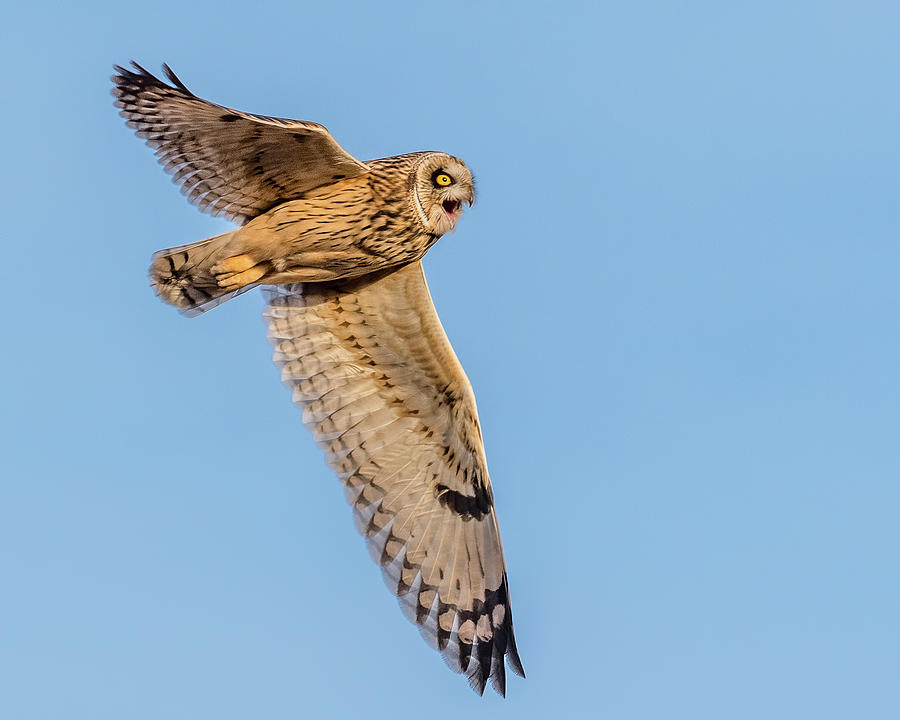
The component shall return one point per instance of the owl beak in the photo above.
(451, 207)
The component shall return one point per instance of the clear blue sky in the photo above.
(675, 299)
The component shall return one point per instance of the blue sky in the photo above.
(675, 299)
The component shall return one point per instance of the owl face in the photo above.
(441, 186)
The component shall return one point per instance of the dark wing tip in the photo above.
(478, 684)
(486, 658)
(509, 646)
(142, 74)
(143, 70)
(512, 654)
(173, 78)
(504, 650)
(143, 79)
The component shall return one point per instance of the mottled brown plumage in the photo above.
(356, 335)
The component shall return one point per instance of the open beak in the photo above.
(454, 207)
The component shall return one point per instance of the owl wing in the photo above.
(226, 161)
(387, 400)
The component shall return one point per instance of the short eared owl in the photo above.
(339, 242)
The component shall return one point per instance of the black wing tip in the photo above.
(512, 655)
(487, 660)
(126, 74)
(505, 645)
(174, 79)
(126, 77)
(478, 684)
(481, 660)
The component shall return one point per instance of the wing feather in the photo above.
(226, 161)
(386, 398)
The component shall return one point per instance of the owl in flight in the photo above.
(339, 242)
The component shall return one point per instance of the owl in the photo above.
(338, 243)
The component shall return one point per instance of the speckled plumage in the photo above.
(357, 338)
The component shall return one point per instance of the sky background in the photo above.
(675, 299)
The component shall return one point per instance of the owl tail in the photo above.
(199, 276)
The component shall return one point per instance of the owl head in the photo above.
(441, 186)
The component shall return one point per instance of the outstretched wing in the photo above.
(228, 162)
(389, 403)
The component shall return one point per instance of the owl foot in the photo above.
(238, 271)
(236, 264)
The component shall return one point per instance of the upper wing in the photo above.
(228, 162)
(386, 398)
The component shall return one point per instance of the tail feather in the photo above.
(188, 277)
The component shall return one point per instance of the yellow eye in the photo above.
(443, 179)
